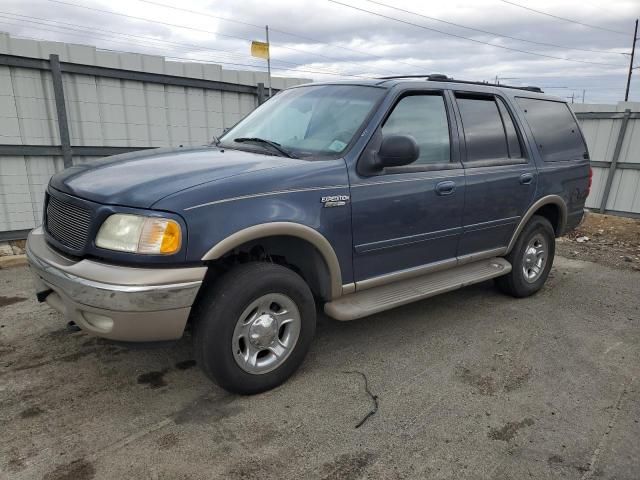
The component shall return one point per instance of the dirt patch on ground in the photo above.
(509, 430)
(76, 470)
(31, 412)
(605, 239)
(6, 301)
(347, 466)
(168, 441)
(153, 379)
(485, 384)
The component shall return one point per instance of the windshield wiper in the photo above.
(274, 145)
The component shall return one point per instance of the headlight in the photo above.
(138, 234)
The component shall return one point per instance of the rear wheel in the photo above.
(254, 327)
(531, 259)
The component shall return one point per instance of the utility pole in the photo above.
(633, 51)
(583, 90)
(497, 81)
(269, 57)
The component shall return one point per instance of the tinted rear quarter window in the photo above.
(554, 129)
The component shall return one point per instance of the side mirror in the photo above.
(398, 150)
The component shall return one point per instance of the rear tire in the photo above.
(531, 259)
(253, 327)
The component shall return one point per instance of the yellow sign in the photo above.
(260, 49)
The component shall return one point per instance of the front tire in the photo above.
(253, 327)
(531, 259)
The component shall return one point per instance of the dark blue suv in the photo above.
(355, 197)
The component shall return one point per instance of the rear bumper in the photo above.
(574, 219)
(120, 303)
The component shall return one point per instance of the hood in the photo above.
(140, 179)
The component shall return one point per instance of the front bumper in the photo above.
(116, 302)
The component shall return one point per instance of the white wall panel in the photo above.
(597, 187)
(602, 135)
(625, 191)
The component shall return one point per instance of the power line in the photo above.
(94, 29)
(193, 59)
(77, 27)
(189, 28)
(256, 66)
(488, 32)
(564, 18)
(471, 39)
(109, 40)
(203, 60)
(283, 32)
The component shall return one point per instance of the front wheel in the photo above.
(531, 259)
(254, 327)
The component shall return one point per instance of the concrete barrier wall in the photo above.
(103, 111)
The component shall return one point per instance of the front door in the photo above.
(409, 217)
(500, 176)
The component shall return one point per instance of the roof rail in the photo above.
(439, 77)
(431, 76)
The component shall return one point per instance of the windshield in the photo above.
(306, 121)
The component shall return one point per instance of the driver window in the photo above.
(424, 117)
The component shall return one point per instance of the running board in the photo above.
(378, 299)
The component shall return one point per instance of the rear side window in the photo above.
(555, 131)
(424, 117)
(489, 131)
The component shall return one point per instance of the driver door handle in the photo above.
(445, 188)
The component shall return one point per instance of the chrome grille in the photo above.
(68, 223)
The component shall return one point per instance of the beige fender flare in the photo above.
(291, 229)
(549, 199)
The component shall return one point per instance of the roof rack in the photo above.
(439, 77)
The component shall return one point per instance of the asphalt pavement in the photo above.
(471, 384)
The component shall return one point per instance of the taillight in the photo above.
(590, 181)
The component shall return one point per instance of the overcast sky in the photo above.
(320, 39)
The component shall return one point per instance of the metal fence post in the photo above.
(261, 93)
(614, 160)
(61, 109)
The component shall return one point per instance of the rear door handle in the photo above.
(446, 188)
(526, 178)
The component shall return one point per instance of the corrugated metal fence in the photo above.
(613, 137)
(62, 104)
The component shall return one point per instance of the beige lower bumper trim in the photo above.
(155, 307)
(122, 326)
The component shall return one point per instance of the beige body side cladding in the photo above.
(272, 229)
(385, 297)
(426, 269)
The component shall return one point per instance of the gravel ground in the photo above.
(471, 384)
(605, 239)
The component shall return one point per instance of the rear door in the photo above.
(407, 218)
(500, 176)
